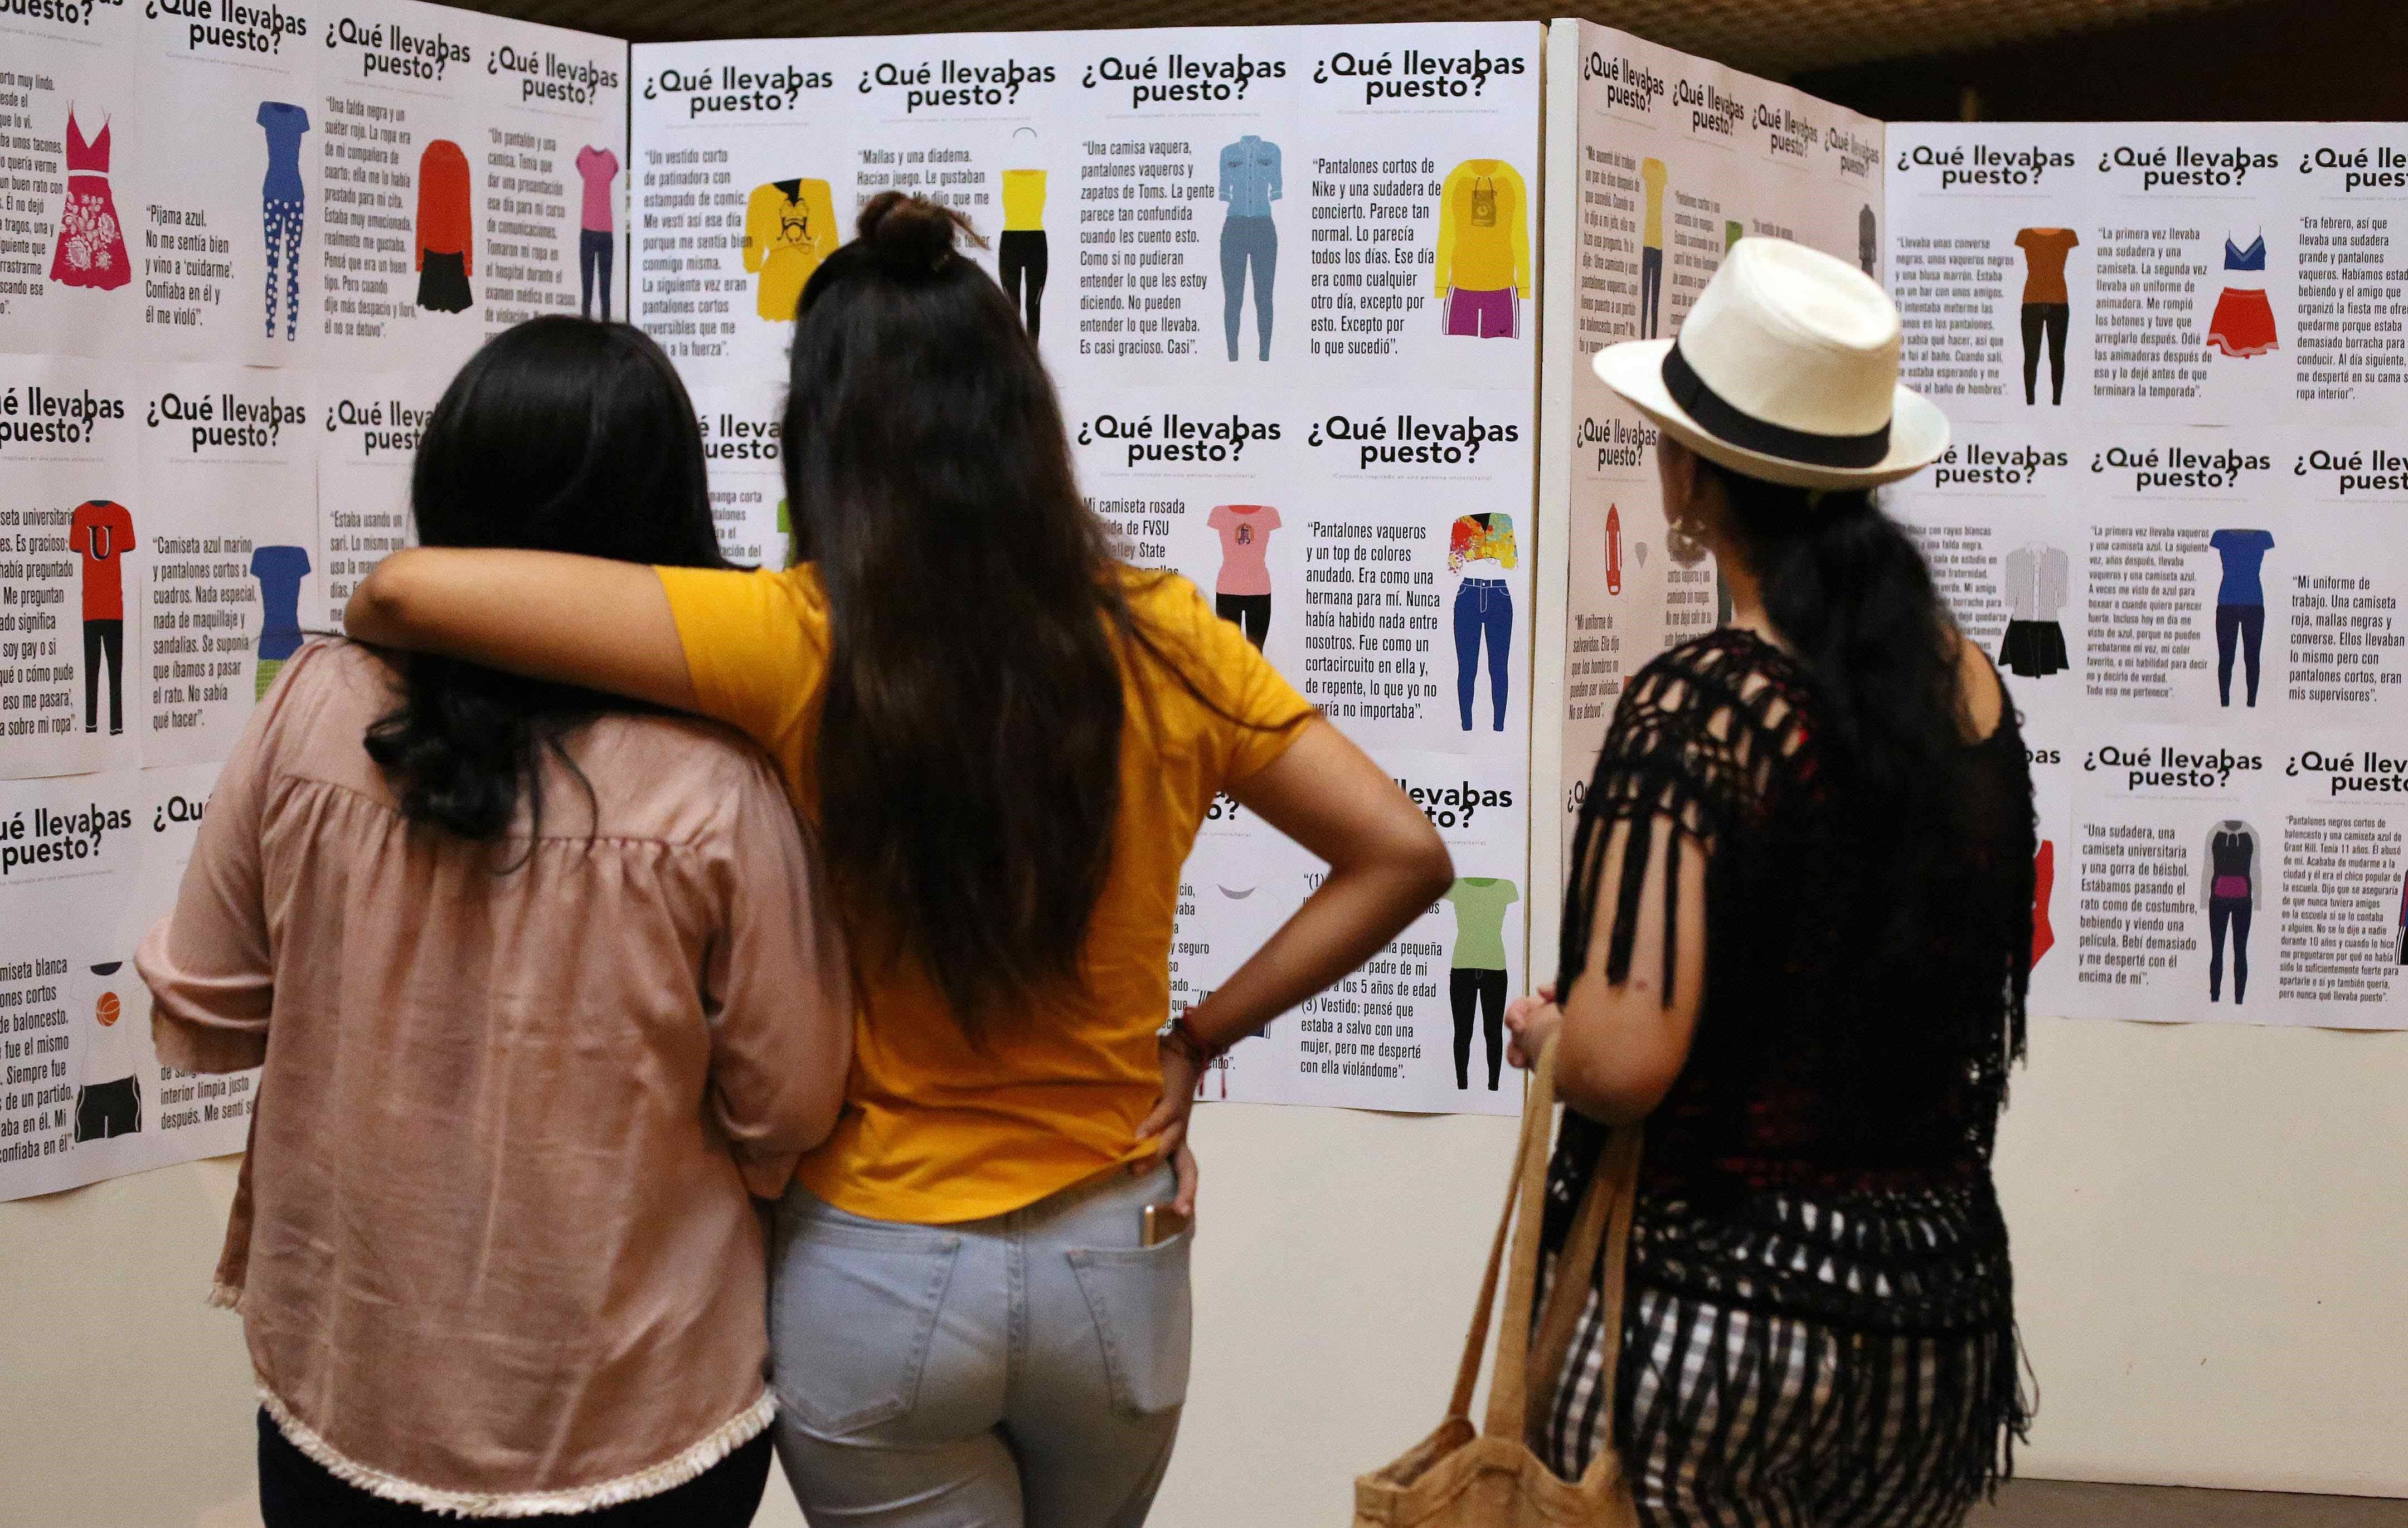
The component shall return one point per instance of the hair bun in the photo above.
(910, 235)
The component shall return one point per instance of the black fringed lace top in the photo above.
(1825, 1152)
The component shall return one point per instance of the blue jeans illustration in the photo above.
(1245, 240)
(1482, 607)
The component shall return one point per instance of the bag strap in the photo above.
(1599, 1240)
(1508, 1393)
(1534, 1121)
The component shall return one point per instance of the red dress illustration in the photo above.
(92, 246)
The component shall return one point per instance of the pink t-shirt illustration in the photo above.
(599, 166)
(1245, 536)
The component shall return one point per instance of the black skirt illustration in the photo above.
(2034, 648)
(443, 283)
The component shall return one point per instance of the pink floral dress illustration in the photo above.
(92, 246)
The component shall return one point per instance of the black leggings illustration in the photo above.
(1021, 259)
(1250, 613)
(104, 639)
(1469, 987)
(2054, 318)
(2223, 913)
(2244, 626)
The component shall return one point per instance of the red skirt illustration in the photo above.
(92, 244)
(2243, 324)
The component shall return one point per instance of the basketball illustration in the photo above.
(106, 1010)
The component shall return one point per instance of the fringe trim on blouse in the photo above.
(652, 1481)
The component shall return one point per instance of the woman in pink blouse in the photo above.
(542, 999)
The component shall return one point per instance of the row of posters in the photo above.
(2175, 361)
(1285, 279)
(1660, 162)
(1290, 282)
(242, 250)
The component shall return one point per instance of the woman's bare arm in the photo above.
(1622, 1044)
(585, 621)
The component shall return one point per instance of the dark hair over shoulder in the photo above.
(1849, 591)
(969, 740)
(561, 435)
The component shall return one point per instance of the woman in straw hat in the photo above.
(1795, 944)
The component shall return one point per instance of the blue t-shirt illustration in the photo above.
(2243, 552)
(284, 125)
(279, 571)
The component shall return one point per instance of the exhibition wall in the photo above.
(1382, 455)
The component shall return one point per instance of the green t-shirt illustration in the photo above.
(1479, 903)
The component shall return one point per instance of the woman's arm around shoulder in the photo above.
(585, 621)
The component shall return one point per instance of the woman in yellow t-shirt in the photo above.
(1004, 741)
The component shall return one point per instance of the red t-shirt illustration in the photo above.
(103, 534)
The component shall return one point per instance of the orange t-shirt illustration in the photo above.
(2044, 250)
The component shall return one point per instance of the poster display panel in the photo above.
(219, 342)
(2172, 354)
(1285, 280)
(1659, 162)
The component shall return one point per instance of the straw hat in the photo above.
(1786, 369)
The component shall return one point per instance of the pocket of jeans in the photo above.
(851, 1312)
(1145, 1316)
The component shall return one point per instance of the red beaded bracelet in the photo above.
(1180, 1035)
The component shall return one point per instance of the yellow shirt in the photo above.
(1483, 229)
(1652, 172)
(933, 1131)
(1023, 201)
(789, 228)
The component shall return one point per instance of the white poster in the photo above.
(2174, 361)
(472, 181)
(1659, 163)
(75, 534)
(219, 342)
(366, 429)
(1285, 279)
(218, 201)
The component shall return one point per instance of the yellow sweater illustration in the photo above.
(789, 228)
(1483, 229)
(1652, 172)
(1023, 201)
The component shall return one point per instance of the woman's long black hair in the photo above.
(968, 745)
(561, 435)
(1848, 590)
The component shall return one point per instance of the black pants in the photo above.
(1486, 989)
(297, 1492)
(595, 249)
(2242, 625)
(1020, 261)
(104, 639)
(1250, 613)
(1651, 290)
(2054, 318)
(2223, 912)
(106, 1109)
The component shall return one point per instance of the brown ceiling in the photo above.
(1775, 37)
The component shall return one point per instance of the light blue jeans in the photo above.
(1028, 1368)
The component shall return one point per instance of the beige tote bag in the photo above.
(1492, 1477)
